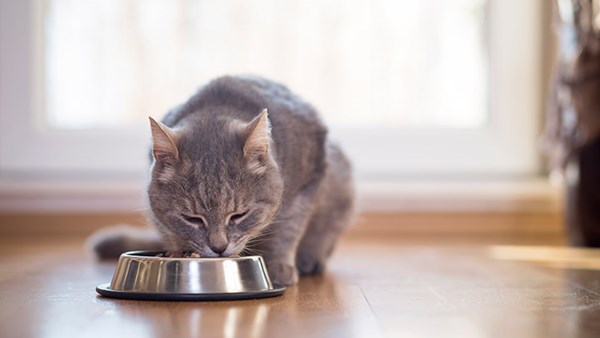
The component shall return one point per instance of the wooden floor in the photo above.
(373, 288)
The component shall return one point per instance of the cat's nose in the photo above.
(218, 248)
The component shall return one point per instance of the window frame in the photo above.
(505, 147)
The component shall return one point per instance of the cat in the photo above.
(245, 167)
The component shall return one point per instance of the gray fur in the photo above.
(297, 189)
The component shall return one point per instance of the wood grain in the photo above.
(373, 288)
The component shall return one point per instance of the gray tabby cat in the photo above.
(246, 167)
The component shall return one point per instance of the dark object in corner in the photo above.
(572, 133)
(583, 196)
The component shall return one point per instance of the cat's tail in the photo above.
(111, 242)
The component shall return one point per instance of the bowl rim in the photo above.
(151, 255)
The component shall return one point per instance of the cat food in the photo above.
(179, 254)
(187, 254)
(191, 255)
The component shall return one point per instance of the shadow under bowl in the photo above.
(142, 275)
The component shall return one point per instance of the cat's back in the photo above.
(245, 97)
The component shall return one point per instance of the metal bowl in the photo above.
(144, 276)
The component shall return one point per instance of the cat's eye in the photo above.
(195, 220)
(236, 218)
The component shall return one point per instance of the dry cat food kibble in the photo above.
(179, 254)
(191, 255)
(187, 254)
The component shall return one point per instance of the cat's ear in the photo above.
(258, 139)
(164, 147)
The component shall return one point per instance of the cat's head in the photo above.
(214, 184)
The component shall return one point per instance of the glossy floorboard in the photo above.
(374, 288)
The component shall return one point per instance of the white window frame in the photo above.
(506, 147)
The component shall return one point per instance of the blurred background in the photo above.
(440, 104)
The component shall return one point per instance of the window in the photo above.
(414, 64)
(410, 88)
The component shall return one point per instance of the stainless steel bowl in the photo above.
(143, 275)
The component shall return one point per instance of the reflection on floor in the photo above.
(373, 288)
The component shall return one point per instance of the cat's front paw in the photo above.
(282, 273)
(308, 265)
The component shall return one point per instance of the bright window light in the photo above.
(396, 63)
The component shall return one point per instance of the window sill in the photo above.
(534, 194)
(525, 195)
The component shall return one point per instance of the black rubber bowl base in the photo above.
(106, 291)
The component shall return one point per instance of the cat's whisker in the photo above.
(267, 232)
(258, 240)
(252, 252)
